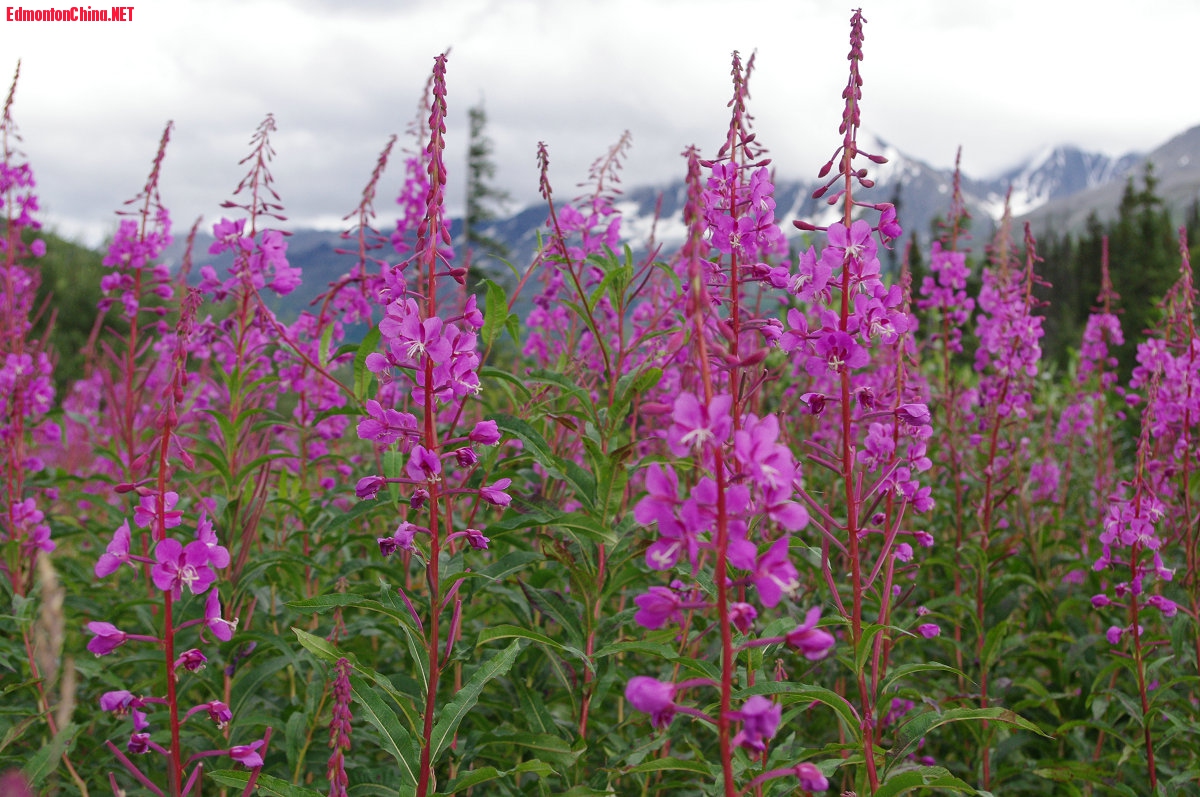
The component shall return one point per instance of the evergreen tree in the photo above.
(484, 200)
(1144, 260)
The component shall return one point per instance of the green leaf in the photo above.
(925, 777)
(802, 693)
(363, 377)
(862, 651)
(542, 744)
(327, 652)
(898, 673)
(323, 349)
(472, 778)
(495, 312)
(451, 715)
(536, 445)
(993, 644)
(46, 760)
(505, 631)
(912, 731)
(396, 738)
(265, 784)
(674, 764)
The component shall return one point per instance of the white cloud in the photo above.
(1000, 77)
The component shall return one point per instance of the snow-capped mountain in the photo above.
(1056, 189)
(1176, 166)
(1054, 173)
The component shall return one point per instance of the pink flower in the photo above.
(811, 778)
(146, 513)
(116, 554)
(385, 425)
(835, 352)
(247, 754)
(401, 540)
(653, 697)
(222, 629)
(485, 433)
(118, 701)
(760, 719)
(889, 228)
(697, 425)
(929, 630)
(814, 643)
(368, 487)
(218, 555)
(219, 713)
(191, 660)
(775, 575)
(656, 608)
(914, 414)
(742, 616)
(494, 494)
(107, 638)
(178, 566)
(423, 465)
(1165, 605)
(476, 539)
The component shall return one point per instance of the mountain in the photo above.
(1176, 165)
(1053, 174)
(1059, 187)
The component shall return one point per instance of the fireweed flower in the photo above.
(775, 575)
(116, 554)
(107, 638)
(760, 720)
(178, 566)
(423, 465)
(485, 433)
(696, 425)
(386, 426)
(929, 630)
(222, 629)
(191, 660)
(476, 539)
(146, 513)
(219, 713)
(218, 555)
(494, 493)
(653, 697)
(811, 778)
(369, 486)
(742, 616)
(401, 540)
(247, 754)
(657, 607)
(814, 643)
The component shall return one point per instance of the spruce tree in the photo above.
(484, 200)
(1144, 260)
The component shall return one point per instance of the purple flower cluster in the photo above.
(944, 292)
(1009, 336)
(26, 386)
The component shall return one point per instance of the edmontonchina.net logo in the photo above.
(72, 14)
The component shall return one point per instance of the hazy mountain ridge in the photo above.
(1058, 187)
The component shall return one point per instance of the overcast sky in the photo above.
(1001, 78)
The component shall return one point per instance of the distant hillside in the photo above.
(1176, 165)
(1059, 187)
